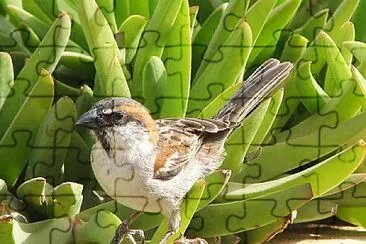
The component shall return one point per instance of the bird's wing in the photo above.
(179, 141)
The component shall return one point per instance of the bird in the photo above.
(150, 165)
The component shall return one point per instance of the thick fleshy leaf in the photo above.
(342, 14)
(267, 232)
(315, 210)
(216, 104)
(154, 38)
(154, 84)
(269, 36)
(64, 200)
(103, 48)
(257, 16)
(239, 141)
(215, 184)
(231, 19)
(345, 103)
(305, 149)
(81, 62)
(224, 71)
(358, 50)
(46, 56)
(317, 176)
(44, 231)
(267, 122)
(310, 92)
(99, 229)
(229, 218)
(294, 48)
(351, 181)
(204, 36)
(16, 142)
(77, 166)
(132, 29)
(353, 215)
(177, 60)
(52, 141)
(312, 27)
(33, 192)
(6, 77)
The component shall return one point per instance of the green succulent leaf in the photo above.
(154, 84)
(224, 71)
(317, 176)
(16, 142)
(104, 50)
(358, 50)
(62, 89)
(77, 166)
(294, 48)
(132, 29)
(315, 210)
(99, 229)
(310, 92)
(239, 141)
(238, 216)
(204, 36)
(64, 200)
(343, 13)
(351, 197)
(315, 24)
(351, 181)
(34, 232)
(217, 103)
(345, 103)
(215, 184)
(267, 232)
(232, 18)
(33, 192)
(6, 77)
(154, 38)
(18, 15)
(81, 62)
(267, 121)
(193, 23)
(257, 16)
(269, 36)
(46, 57)
(107, 7)
(177, 60)
(304, 149)
(52, 141)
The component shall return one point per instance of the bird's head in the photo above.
(120, 122)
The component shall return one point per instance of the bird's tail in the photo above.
(259, 85)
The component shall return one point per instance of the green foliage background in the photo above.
(303, 147)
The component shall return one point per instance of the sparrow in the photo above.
(150, 165)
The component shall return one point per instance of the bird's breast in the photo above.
(119, 177)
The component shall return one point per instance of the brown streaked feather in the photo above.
(179, 140)
(141, 114)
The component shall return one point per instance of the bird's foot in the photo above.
(184, 240)
(123, 231)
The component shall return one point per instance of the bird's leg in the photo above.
(183, 240)
(123, 229)
(174, 224)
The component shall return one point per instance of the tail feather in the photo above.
(259, 85)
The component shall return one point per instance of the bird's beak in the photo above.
(88, 120)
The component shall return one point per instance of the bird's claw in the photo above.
(123, 231)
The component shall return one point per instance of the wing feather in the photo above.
(178, 146)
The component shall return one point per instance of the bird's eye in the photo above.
(119, 115)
